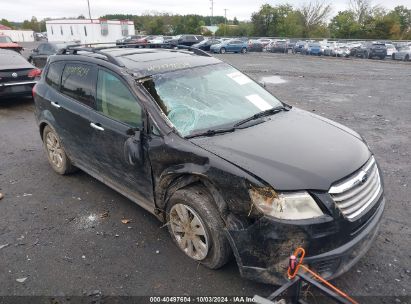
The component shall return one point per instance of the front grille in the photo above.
(358, 193)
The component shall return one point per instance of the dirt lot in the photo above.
(58, 237)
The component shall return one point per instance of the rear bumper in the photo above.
(21, 88)
(330, 263)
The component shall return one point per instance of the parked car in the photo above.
(255, 46)
(39, 55)
(370, 50)
(17, 75)
(403, 53)
(233, 45)
(187, 40)
(265, 41)
(299, 47)
(177, 134)
(206, 44)
(342, 50)
(278, 46)
(8, 44)
(390, 49)
(132, 39)
(313, 48)
(329, 48)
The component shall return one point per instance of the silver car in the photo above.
(403, 53)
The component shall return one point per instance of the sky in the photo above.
(19, 10)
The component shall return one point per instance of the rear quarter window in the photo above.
(53, 76)
(78, 82)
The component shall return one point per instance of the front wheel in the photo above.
(56, 154)
(197, 228)
(243, 50)
(222, 51)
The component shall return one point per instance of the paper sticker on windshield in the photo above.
(239, 78)
(260, 103)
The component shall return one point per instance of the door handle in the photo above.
(95, 126)
(55, 104)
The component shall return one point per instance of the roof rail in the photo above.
(194, 50)
(73, 49)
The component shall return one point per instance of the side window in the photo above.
(53, 76)
(77, 82)
(115, 100)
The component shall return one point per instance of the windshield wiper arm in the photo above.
(268, 112)
(211, 132)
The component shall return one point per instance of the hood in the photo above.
(292, 150)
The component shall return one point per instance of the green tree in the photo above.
(5, 22)
(344, 25)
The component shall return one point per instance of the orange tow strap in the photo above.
(296, 261)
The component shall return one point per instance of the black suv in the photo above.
(187, 40)
(208, 151)
(370, 50)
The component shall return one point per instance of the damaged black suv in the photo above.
(208, 151)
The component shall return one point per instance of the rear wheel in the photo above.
(393, 56)
(56, 155)
(197, 228)
(222, 51)
(243, 50)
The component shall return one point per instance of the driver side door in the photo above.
(119, 139)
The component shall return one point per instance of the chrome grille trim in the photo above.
(354, 195)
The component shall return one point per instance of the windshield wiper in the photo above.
(268, 112)
(211, 132)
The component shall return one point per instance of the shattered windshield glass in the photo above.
(207, 97)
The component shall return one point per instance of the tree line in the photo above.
(361, 20)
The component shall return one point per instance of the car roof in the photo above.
(146, 62)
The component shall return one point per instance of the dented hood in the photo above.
(292, 150)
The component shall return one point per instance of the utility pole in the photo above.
(89, 12)
(212, 12)
(225, 21)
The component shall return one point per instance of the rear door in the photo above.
(118, 138)
(71, 101)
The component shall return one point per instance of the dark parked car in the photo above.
(187, 40)
(299, 47)
(279, 46)
(215, 156)
(206, 44)
(129, 40)
(370, 50)
(255, 46)
(17, 75)
(39, 55)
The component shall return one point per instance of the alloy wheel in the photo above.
(54, 149)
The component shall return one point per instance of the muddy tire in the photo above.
(56, 154)
(196, 227)
(222, 51)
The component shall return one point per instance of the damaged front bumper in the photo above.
(262, 249)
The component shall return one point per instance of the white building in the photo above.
(19, 36)
(88, 31)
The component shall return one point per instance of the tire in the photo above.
(198, 203)
(393, 56)
(365, 55)
(243, 51)
(58, 160)
(407, 58)
(222, 51)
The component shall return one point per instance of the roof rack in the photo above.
(73, 49)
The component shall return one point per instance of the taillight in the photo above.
(34, 73)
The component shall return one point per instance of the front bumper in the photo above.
(262, 250)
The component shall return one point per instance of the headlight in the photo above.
(285, 205)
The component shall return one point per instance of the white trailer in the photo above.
(19, 36)
(88, 30)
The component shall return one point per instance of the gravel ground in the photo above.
(64, 235)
